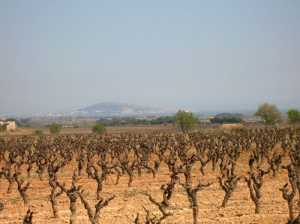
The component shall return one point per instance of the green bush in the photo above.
(98, 128)
(186, 121)
(293, 116)
(55, 128)
(38, 132)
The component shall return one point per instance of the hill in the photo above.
(112, 109)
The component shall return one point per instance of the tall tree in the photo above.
(269, 113)
(186, 121)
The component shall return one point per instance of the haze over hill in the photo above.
(117, 109)
(109, 109)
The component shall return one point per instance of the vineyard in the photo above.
(238, 176)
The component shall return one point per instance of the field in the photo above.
(134, 201)
(110, 130)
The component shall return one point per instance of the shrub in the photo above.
(293, 116)
(98, 128)
(38, 132)
(55, 128)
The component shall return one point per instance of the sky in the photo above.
(224, 55)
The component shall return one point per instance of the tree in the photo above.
(98, 128)
(269, 113)
(293, 116)
(185, 120)
(55, 128)
(38, 132)
(3, 127)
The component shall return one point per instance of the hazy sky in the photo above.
(202, 55)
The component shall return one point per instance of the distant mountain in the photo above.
(111, 109)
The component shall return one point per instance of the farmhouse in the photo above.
(9, 125)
